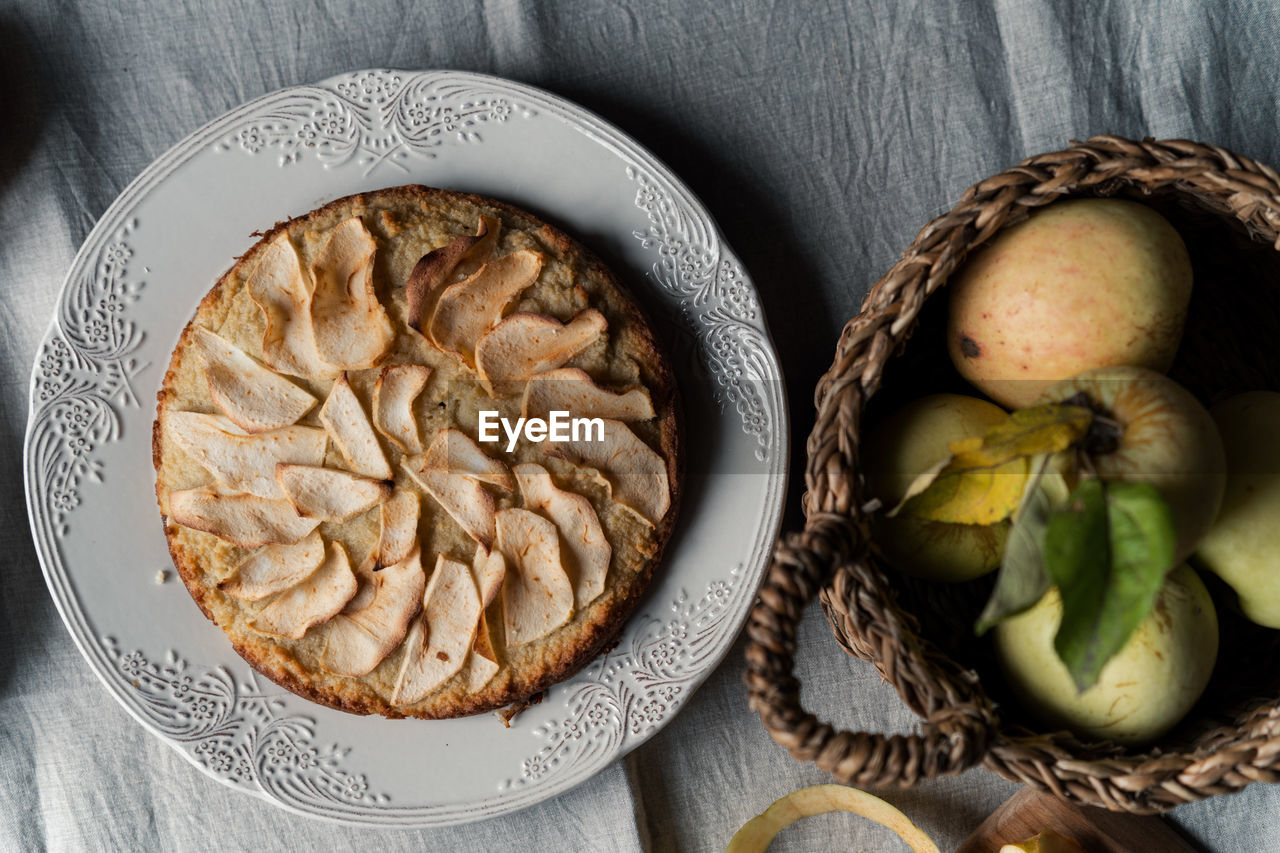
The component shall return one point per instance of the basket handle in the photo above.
(832, 549)
(951, 739)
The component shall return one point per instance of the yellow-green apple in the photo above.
(1164, 437)
(1081, 284)
(907, 443)
(1243, 548)
(1143, 691)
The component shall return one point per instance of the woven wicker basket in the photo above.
(1227, 208)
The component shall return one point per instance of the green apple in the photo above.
(1166, 439)
(1081, 284)
(1143, 691)
(907, 443)
(1243, 548)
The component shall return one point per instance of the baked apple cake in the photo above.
(417, 454)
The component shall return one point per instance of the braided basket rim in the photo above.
(960, 725)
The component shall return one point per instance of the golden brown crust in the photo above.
(283, 663)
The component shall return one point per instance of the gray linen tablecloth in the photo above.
(821, 135)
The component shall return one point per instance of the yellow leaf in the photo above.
(1026, 432)
(920, 483)
(967, 495)
(971, 444)
(983, 481)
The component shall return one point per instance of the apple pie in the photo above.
(417, 454)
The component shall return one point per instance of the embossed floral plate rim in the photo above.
(91, 383)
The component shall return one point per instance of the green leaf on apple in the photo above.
(1022, 578)
(1108, 551)
(986, 477)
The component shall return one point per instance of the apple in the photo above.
(1166, 438)
(1243, 548)
(1081, 284)
(1143, 691)
(907, 443)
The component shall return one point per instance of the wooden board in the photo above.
(1028, 812)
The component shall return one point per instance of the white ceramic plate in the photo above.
(137, 281)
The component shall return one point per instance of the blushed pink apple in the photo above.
(1166, 439)
(1081, 284)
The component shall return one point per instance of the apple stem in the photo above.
(1103, 435)
(1085, 463)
